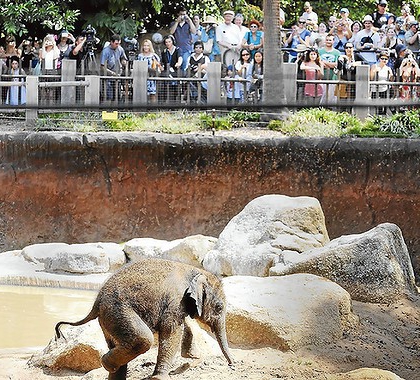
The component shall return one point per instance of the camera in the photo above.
(131, 46)
(90, 34)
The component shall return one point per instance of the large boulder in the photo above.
(147, 247)
(190, 250)
(267, 228)
(81, 349)
(373, 266)
(76, 258)
(286, 312)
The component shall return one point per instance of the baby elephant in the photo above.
(154, 295)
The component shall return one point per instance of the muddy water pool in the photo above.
(28, 314)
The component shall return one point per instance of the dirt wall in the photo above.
(74, 187)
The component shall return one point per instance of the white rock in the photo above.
(286, 312)
(254, 240)
(147, 247)
(190, 250)
(81, 349)
(78, 258)
(373, 267)
(114, 252)
(40, 253)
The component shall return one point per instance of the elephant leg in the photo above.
(168, 346)
(188, 346)
(128, 338)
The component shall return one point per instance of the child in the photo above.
(16, 95)
(313, 68)
(233, 93)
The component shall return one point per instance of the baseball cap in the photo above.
(399, 48)
(229, 13)
(344, 10)
(383, 2)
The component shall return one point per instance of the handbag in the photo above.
(37, 69)
(208, 46)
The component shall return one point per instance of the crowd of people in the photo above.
(322, 50)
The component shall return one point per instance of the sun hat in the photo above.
(210, 20)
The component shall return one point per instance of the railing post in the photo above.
(68, 73)
(32, 90)
(289, 81)
(214, 75)
(140, 74)
(362, 91)
(92, 90)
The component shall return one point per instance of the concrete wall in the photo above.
(74, 187)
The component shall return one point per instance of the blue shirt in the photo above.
(183, 37)
(112, 57)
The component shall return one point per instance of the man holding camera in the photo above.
(183, 29)
(412, 36)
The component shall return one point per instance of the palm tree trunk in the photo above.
(273, 84)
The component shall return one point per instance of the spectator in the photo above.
(77, 53)
(412, 36)
(229, 38)
(65, 42)
(346, 65)
(382, 37)
(355, 28)
(399, 31)
(49, 54)
(367, 40)
(380, 17)
(410, 73)
(380, 72)
(344, 14)
(299, 35)
(406, 17)
(10, 51)
(317, 39)
(254, 39)
(255, 89)
(197, 65)
(199, 29)
(182, 29)
(28, 55)
(329, 57)
(310, 16)
(16, 95)
(341, 35)
(313, 68)
(147, 53)
(113, 61)
(171, 62)
(243, 68)
(331, 23)
(209, 39)
(400, 53)
(239, 22)
(282, 17)
(232, 89)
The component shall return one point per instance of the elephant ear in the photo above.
(194, 296)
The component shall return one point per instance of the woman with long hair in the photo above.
(244, 69)
(313, 68)
(147, 53)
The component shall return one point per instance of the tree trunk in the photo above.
(273, 85)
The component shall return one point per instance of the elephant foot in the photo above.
(120, 374)
(192, 353)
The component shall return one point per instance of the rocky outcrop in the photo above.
(256, 238)
(80, 350)
(286, 312)
(373, 267)
(190, 250)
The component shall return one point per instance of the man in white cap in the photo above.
(367, 39)
(229, 38)
(310, 16)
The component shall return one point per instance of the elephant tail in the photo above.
(93, 314)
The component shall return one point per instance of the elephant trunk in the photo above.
(219, 329)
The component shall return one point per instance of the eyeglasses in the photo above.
(384, 59)
(245, 55)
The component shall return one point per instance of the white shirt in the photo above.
(228, 33)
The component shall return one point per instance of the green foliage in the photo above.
(106, 24)
(315, 122)
(17, 17)
(234, 119)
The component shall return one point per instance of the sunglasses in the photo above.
(302, 22)
(382, 5)
(384, 59)
(253, 26)
(245, 55)
(349, 47)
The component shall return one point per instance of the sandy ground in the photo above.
(388, 338)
